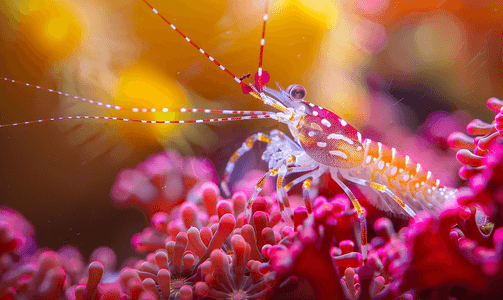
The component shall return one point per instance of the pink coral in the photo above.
(175, 269)
(225, 276)
(312, 253)
(17, 235)
(161, 182)
(474, 149)
(203, 208)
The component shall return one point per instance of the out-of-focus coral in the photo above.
(29, 272)
(243, 184)
(17, 237)
(161, 182)
(48, 274)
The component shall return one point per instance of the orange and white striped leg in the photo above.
(284, 204)
(261, 182)
(306, 185)
(258, 188)
(383, 189)
(359, 211)
(307, 180)
(245, 147)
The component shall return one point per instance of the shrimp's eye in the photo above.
(296, 92)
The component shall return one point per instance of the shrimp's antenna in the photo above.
(249, 89)
(242, 118)
(262, 43)
(153, 109)
(237, 79)
(255, 114)
(256, 92)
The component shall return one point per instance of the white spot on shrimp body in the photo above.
(393, 171)
(358, 148)
(337, 136)
(311, 133)
(321, 144)
(315, 113)
(326, 122)
(310, 104)
(338, 153)
(368, 159)
(343, 123)
(380, 165)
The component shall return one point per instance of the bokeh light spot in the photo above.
(143, 87)
(372, 6)
(52, 30)
(56, 28)
(370, 37)
(327, 10)
(438, 40)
